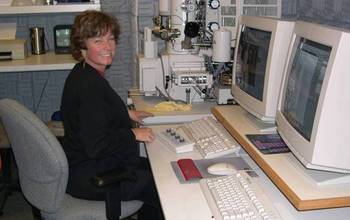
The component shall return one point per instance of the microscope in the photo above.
(196, 64)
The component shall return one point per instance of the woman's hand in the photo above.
(143, 134)
(138, 116)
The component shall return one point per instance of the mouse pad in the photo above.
(203, 164)
(268, 143)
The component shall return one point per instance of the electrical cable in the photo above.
(166, 91)
(47, 44)
(197, 89)
(163, 81)
(41, 94)
(194, 95)
(162, 94)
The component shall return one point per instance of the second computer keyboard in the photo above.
(237, 197)
(211, 138)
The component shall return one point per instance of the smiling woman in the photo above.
(98, 133)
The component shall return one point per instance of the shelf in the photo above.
(48, 61)
(40, 9)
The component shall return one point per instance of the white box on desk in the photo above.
(17, 47)
(5, 2)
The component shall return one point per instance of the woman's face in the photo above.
(100, 51)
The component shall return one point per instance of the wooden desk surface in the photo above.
(43, 62)
(283, 169)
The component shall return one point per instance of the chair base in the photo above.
(4, 194)
(36, 213)
(8, 183)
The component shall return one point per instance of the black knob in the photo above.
(214, 4)
(191, 29)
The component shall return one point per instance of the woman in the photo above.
(98, 133)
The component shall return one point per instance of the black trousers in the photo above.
(80, 186)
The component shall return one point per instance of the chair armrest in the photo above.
(115, 176)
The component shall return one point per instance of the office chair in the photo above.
(43, 169)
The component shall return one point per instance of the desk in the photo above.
(179, 201)
(186, 201)
(293, 179)
(199, 110)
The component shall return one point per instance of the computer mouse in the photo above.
(222, 169)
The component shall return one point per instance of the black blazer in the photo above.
(96, 121)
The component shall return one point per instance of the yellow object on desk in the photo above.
(170, 106)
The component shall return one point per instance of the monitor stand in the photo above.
(263, 127)
(317, 177)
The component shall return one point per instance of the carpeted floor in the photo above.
(16, 208)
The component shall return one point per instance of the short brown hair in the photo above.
(91, 24)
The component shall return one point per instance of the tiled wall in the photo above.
(120, 73)
(41, 91)
(330, 12)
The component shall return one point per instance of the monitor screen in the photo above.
(251, 61)
(304, 85)
(63, 37)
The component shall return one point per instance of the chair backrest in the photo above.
(41, 161)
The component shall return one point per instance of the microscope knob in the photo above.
(213, 26)
(214, 4)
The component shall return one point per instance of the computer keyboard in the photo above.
(211, 138)
(237, 197)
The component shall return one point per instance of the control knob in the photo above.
(214, 4)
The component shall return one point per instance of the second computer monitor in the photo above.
(261, 49)
(314, 107)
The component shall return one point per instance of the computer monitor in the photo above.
(261, 49)
(314, 105)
